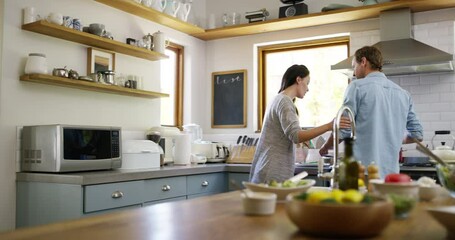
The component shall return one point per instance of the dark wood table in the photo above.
(215, 217)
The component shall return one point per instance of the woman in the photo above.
(275, 152)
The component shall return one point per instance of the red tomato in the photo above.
(396, 178)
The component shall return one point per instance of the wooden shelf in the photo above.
(90, 86)
(317, 19)
(72, 35)
(151, 14)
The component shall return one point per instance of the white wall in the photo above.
(25, 103)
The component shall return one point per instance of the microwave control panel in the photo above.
(115, 137)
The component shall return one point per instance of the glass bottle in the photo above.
(349, 168)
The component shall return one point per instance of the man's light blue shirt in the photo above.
(383, 115)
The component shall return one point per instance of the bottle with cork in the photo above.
(349, 168)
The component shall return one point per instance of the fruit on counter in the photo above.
(287, 183)
(397, 178)
(361, 183)
(336, 196)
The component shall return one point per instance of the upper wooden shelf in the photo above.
(90, 86)
(308, 20)
(151, 14)
(70, 34)
(321, 18)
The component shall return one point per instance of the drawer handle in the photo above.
(166, 188)
(205, 183)
(117, 194)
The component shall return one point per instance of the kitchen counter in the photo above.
(121, 175)
(214, 217)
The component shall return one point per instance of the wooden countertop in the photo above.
(214, 217)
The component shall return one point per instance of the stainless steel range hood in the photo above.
(401, 53)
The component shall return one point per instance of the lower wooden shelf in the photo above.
(90, 86)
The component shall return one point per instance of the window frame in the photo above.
(282, 47)
(179, 84)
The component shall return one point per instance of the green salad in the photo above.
(403, 204)
(287, 183)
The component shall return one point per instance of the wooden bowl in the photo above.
(445, 215)
(359, 220)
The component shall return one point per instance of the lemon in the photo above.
(318, 196)
(338, 194)
(361, 183)
(352, 196)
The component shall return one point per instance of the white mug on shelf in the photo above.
(172, 7)
(56, 18)
(212, 21)
(147, 3)
(160, 5)
(185, 10)
(29, 15)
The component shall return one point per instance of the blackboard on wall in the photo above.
(229, 99)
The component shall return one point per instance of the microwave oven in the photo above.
(70, 148)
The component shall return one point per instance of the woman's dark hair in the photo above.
(372, 54)
(290, 76)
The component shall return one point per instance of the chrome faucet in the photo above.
(336, 139)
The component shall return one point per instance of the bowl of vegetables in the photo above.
(339, 214)
(446, 175)
(281, 189)
(403, 192)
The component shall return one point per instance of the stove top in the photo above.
(428, 164)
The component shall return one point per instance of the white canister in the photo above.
(182, 149)
(159, 42)
(29, 15)
(36, 63)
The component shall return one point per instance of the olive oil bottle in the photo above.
(349, 168)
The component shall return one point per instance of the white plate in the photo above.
(281, 192)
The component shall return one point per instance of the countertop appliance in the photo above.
(213, 151)
(167, 141)
(294, 9)
(70, 148)
(138, 154)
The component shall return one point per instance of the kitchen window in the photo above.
(172, 83)
(326, 88)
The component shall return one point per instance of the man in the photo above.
(383, 112)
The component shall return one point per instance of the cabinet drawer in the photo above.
(112, 195)
(238, 178)
(203, 183)
(163, 188)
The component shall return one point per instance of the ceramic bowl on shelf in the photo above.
(350, 220)
(281, 192)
